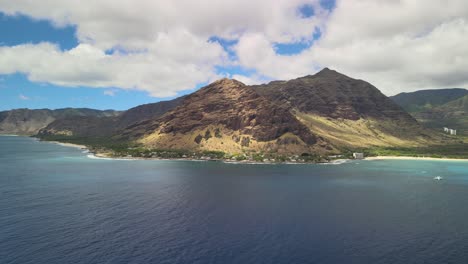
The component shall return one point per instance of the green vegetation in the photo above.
(120, 148)
(454, 151)
(277, 158)
(116, 148)
(427, 99)
(141, 152)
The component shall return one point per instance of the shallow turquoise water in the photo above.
(59, 206)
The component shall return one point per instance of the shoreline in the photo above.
(413, 158)
(71, 145)
(226, 161)
(97, 155)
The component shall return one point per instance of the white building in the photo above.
(450, 131)
(358, 155)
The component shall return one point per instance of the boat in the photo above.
(438, 178)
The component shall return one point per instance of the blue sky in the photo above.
(56, 54)
(16, 91)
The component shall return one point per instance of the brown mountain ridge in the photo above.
(319, 113)
(226, 116)
(346, 111)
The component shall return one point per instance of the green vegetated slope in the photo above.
(438, 108)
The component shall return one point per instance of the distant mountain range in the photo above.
(29, 122)
(322, 113)
(438, 108)
(98, 127)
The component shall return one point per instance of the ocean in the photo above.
(58, 205)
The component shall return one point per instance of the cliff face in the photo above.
(332, 94)
(225, 115)
(344, 110)
(318, 113)
(29, 122)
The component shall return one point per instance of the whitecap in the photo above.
(336, 162)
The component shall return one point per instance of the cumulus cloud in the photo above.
(163, 47)
(255, 51)
(396, 45)
(250, 80)
(157, 46)
(158, 71)
(134, 23)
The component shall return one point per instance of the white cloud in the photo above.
(158, 72)
(134, 23)
(24, 97)
(396, 45)
(250, 80)
(255, 51)
(162, 45)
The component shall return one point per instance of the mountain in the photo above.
(29, 122)
(459, 105)
(106, 126)
(453, 114)
(427, 99)
(322, 113)
(438, 108)
(345, 111)
(147, 111)
(227, 116)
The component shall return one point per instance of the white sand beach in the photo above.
(412, 158)
(69, 145)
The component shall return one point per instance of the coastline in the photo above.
(227, 161)
(97, 155)
(413, 158)
(82, 147)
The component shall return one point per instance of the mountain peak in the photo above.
(225, 86)
(326, 72)
(228, 82)
(226, 115)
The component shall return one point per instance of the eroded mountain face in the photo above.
(331, 94)
(227, 110)
(345, 111)
(316, 113)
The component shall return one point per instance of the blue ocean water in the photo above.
(59, 206)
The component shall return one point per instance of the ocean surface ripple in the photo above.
(59, 206)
